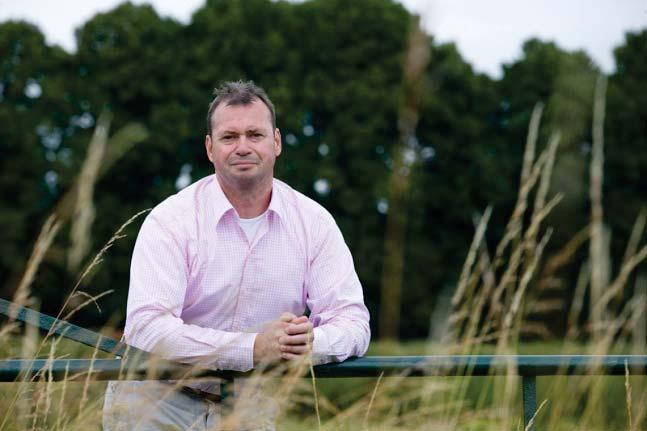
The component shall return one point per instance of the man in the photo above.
(223, 271)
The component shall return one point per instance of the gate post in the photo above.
(529, 395)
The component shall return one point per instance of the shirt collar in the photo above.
(276, 203)
(218, 201)
(221, 205)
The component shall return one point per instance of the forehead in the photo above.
(241, 117)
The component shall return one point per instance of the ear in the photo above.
(277, 142)
(208, 145)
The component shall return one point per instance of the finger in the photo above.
(293, 339)
(291, 356)
(301, 328)
(299, 350)
(286, 316)
(300, 319)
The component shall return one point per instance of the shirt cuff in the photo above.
(239, 356)
(248, 350)
(320, 347)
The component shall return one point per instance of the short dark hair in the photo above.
(239, 93)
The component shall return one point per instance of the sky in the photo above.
(487, 33)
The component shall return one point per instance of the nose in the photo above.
(242, 147)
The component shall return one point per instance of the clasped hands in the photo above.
(288, 338)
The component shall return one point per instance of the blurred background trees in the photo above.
(334, 70)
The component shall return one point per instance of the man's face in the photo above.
(243, 145)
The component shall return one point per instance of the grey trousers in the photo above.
(157, 406)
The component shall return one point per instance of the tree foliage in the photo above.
(334, 70)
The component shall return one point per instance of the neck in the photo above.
(251, 201)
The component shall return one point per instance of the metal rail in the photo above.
(61, 327)
(135, 364)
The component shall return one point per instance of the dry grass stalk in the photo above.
(628, 397)
(542, 190)
(95, 262)
(531, 422)
(523, 285)
(596, 245)
(314, 392)
(562, 258)
(49, 387)
(24, 394)
(509, 276)
(514, 226)
(61, 416)
(578, 302)
(636, 234)
(533, 230)
(618, 284)
(471, 256)
(531, 143)
(43, 242)
(6, 330)
(468, 283)
(475, 314)
(370, 403)
(84, 211)
(92, 299)
(639, 347)
(86, 384)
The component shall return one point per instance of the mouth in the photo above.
(244, 164)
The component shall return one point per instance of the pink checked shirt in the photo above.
(200, 291)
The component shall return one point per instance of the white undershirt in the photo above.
(250, 226)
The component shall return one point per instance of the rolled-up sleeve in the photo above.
(158, 283)
(335, 297)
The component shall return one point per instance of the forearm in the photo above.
(171, 338)
(341, 338)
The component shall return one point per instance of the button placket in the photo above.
(242, 294)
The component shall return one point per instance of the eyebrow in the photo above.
(254, 130)
(236, 132)
(227, 132)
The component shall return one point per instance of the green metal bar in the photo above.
(370, 366)
(102, 369)
(65, 329)
(485, 365)
(529, 395)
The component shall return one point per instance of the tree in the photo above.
(625, 182)
(39, 124)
